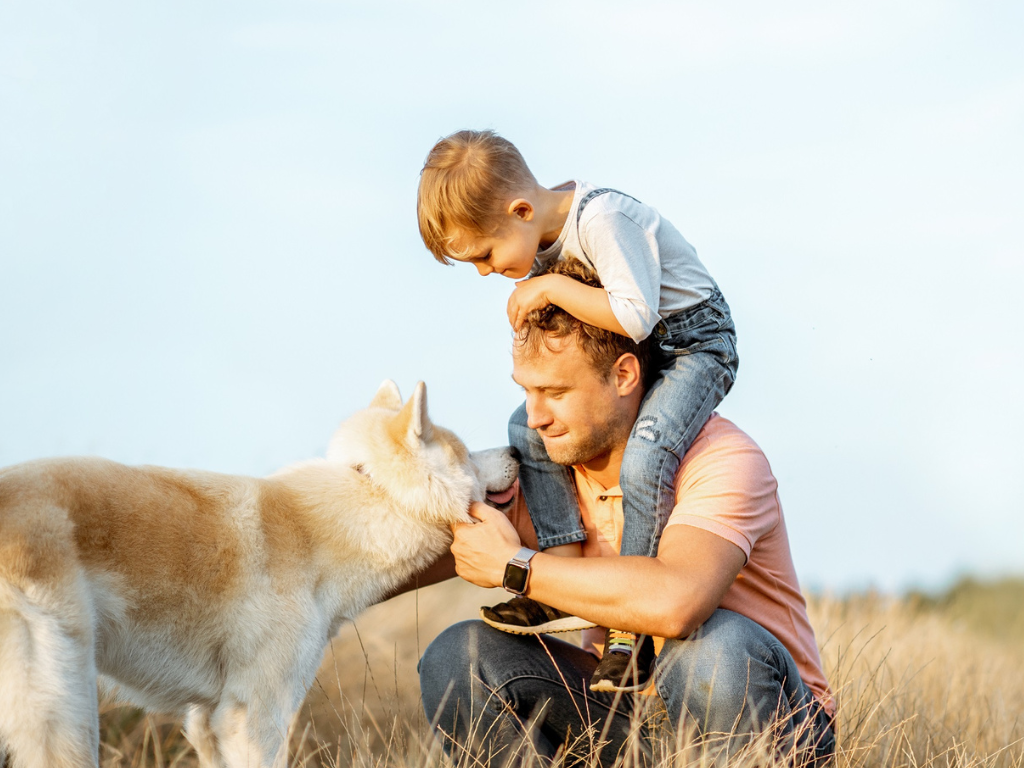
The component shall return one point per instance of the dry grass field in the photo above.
(922, 681)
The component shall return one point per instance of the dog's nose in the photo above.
(513, 452)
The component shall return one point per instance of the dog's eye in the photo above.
(359, 468)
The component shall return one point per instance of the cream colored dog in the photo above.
(209, 594)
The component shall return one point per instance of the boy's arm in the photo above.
(584, 302)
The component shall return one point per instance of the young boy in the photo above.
(479, 203)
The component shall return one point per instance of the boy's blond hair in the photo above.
(465, 183)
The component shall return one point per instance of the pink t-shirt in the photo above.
(725, 486)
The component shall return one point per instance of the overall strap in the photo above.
(579, 214)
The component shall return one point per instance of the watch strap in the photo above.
(516, 578)
(522, 557)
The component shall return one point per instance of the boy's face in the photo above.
(510, 251)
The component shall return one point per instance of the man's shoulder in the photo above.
(725, 485)
(718, 430)
(722, 445)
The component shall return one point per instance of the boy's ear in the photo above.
(522, 208)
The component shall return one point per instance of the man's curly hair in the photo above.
(601, 347)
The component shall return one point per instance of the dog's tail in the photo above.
(48, 706)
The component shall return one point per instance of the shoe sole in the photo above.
(568, 624)
(606, 686)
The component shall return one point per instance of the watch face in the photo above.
(515, 578)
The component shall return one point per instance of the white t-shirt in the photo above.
(645, 265)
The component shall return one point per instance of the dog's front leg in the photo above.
(250, 735)
(199, 732)
(259, 698)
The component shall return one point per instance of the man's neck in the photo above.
(605, 469)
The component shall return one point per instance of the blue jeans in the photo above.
(695, 354)
(500, 696)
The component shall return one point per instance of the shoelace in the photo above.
(621, 642)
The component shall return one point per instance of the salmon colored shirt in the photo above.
(725, 486)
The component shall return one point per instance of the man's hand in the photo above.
(483, 549)
(529, 295)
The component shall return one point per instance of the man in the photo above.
(739, 660)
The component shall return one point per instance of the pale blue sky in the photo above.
(209, 254)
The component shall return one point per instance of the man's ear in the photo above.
(626, 371)
(521, 208)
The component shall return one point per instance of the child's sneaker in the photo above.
(523, 616)
(626, 663)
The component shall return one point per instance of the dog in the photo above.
(213, 595)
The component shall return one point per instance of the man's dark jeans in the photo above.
(500, 695)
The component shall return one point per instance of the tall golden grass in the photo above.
(921, 682)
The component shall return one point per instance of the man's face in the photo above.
(576, 410)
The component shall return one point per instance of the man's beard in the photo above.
(599, 440)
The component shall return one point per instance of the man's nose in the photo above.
(537, 417)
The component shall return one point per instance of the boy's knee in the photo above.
(524, 438)
(642, 454)
(517, 424)
(519, 416)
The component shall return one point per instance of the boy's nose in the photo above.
(483, 269)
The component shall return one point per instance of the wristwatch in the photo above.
(517, 572)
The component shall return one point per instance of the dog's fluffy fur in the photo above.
(209, 594)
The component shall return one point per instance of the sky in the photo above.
(209, 253)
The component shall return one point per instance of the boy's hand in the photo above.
(529, 295)
(584, 302)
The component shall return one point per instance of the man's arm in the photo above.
(440, 570)
(443, 568)
(669, 595)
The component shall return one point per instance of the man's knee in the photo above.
(720, 676)
(471, 661)
(445, 667)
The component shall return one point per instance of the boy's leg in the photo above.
(501, 696)
(554, 510)
(698, 363)
(547, 487)
(686, 393)
(731, 682)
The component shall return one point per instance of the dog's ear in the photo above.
(419, 424)
(387, 396)
(412, 423)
